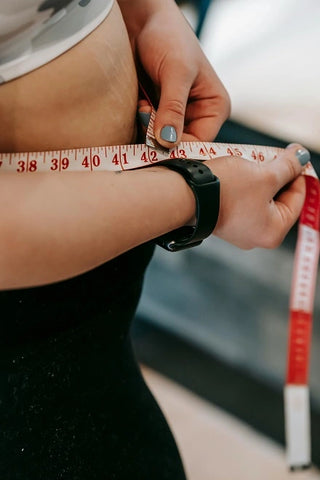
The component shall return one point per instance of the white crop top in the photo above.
(33, 32)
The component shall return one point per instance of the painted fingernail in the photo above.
(303, 156)
(168, 134)
(144, 118)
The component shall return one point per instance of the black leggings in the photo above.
(73, 403)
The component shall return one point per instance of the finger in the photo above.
(175, 88)
(144, 112)
(144, 106)
(288, 166)
(291, 199)
(205, 128)
(287, 207)
(208, 108)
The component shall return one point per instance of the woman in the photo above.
(74, 247)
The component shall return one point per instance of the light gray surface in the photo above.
(266, 53)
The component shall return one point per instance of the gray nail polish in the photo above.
(303, 156)
(169, 134)
(144, 118)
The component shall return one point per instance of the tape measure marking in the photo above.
(126, 157)
(303, 286)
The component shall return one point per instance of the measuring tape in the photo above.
(129, 157)
(296, 391)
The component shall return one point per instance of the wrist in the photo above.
(137, 12)
(206, 189)
(179, 197)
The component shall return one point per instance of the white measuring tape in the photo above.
(128, 157)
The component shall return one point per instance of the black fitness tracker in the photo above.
(206, 189)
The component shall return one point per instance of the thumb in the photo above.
(288, 166)
(175, 89)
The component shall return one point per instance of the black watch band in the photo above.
(206, 189)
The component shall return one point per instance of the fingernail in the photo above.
(168, 134)
(144, 118)
(303, 156)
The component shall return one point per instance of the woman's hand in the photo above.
(259, 202)
(193, 103)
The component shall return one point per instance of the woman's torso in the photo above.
(73, 404)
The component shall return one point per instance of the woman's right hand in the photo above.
(259, 203)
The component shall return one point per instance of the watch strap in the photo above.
(206, 188)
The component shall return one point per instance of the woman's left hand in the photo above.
(193, 103)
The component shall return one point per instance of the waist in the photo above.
(101, 301)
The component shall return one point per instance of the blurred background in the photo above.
(211, 329)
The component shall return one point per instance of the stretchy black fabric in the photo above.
(73, 404)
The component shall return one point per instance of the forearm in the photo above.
(55, 226)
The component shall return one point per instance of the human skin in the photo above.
(193, 100)
(57, 226)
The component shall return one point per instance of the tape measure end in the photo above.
(297, 426)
